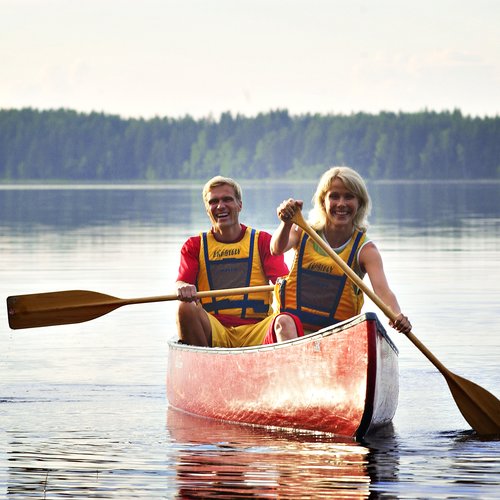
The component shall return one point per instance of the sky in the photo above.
(171, 58)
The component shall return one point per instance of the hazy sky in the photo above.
(203, 57)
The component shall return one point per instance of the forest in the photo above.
(66, 145)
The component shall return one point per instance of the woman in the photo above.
(316, 289)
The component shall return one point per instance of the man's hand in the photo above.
(186, 292)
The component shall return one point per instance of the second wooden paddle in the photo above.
(76, 306)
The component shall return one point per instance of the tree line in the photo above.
(67, 145)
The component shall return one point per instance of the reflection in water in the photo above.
(218, 459)
(406, 204)
(80, 207)
(200, 458)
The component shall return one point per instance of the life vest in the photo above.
(316, 289)
(233, 265)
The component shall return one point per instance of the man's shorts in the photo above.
(247, 335)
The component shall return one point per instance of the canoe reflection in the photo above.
(223, 460)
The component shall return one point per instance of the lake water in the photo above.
(83, 412)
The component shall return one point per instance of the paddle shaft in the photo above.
(115, 301)
(480, 408)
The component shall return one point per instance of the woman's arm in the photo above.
(371, 261)
(287, 234)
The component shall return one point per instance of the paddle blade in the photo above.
(479, 407)
(58, 308)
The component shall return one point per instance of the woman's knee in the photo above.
(284, 327)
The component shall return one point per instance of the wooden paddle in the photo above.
(77, 306)
(478, 406)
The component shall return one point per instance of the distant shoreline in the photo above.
(197, 184)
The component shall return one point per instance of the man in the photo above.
(230, 255)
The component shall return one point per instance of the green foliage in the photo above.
(66, 145)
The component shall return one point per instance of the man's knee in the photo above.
(193, 324)
(186, 310)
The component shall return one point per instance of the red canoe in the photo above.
(342, 380)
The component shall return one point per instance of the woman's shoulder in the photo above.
(368, 250)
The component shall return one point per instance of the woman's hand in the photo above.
(401, 323)
(287, 209)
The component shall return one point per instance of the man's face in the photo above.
(223, 208)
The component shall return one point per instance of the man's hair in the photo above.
(354, 183)
(219, 180)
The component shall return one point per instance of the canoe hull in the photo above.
(341, 380)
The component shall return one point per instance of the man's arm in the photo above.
(274, 265)
(188, 269)
(189, 264)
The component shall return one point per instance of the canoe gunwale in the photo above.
(311, 337)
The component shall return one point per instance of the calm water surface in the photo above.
(83, 412)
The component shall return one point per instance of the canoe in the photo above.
(342, 380)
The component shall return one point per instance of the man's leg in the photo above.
(193, 324)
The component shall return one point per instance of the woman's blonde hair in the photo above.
(354, 183)
(217, 181)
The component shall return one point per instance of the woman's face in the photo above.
(341, 205)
